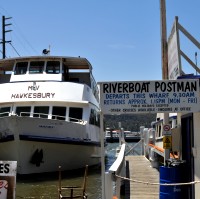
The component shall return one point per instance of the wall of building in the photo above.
(196, 153)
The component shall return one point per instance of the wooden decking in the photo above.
(139, 168)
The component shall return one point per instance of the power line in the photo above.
(23, 37)
(2, 52)
(20, 37)
(14, 49)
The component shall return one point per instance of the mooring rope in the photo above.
(160, 184)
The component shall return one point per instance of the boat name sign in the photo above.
(33, 94)
(150, 96)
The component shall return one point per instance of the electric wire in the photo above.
(14, 49)
(20, 35)
(23, 38)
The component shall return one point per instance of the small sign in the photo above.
(167, 142)
(167, 129)
(8, 170)
(167, 133)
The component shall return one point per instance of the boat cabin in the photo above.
(41, 69)
(46, 68)
(158, 124)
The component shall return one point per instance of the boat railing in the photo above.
(4, 114)
(71, 119)
(29, 114)
(54, 117)
(111, 179)
(58, 117)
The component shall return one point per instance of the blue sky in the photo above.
(121, 39)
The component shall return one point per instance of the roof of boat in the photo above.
(71, 62)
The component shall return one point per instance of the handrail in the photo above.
(119, 161)
(4, 114)
(29, 114)
(161, 150)
(132, 148)
(56, 117)
(118, 167)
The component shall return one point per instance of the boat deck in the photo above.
(139, 168)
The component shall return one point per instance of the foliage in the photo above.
(130, 122)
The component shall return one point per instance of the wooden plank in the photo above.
(190, 61)
(188, 35)
(139, 168)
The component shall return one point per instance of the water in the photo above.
(45, 186)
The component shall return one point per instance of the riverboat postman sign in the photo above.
(165, 96)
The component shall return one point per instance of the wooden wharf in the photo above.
(139, 168)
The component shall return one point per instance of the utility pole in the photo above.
(164, 40)
(4, 31)
(164, 47)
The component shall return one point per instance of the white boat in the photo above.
(158, 126)
(49, 113)
(153, 139)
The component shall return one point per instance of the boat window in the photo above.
(21, 68)
(4, 111)
(65, 72)
(59, 113)
(36, 67)
(23, 110)
(53, 67)
(41, 111)
(75, 114)
(159, 130)
(94, 118)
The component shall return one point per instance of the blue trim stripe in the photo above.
(66, 140)
(7, 138)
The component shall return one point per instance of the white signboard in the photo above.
(8, 171)
(174, 61)
(149, 96)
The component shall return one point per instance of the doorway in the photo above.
(187, 131)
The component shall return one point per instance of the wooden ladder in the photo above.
(73, 191)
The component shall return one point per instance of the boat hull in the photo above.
(68, 156)
(42, 145)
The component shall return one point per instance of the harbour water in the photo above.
(45, 186)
